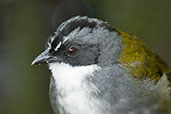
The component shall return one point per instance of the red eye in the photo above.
(72, 51)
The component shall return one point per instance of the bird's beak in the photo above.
(44, 57)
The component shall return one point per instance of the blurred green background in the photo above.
(25, 26)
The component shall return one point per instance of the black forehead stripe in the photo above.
(84, 23)
(77, 23)
(56, 41)
(71, 26)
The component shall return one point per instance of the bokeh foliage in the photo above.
(25, 26)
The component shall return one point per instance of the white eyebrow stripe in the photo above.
(65, 39)
(53, 38)
(58, 46)
(49, 45)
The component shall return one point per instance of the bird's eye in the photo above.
(72, 51)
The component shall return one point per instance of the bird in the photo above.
(97, 69)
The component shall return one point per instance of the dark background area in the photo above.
(25, 26)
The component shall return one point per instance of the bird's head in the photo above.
(80, 41)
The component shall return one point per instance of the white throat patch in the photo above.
(69, 82)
